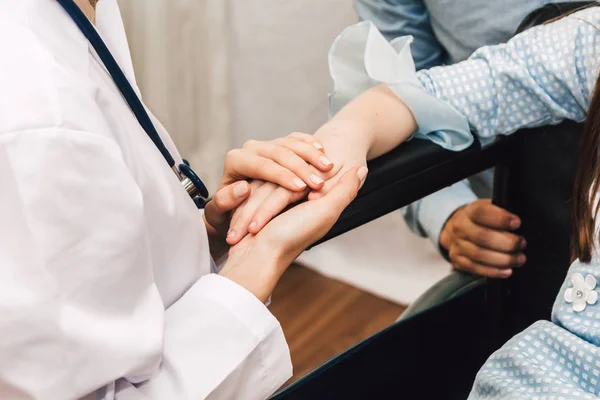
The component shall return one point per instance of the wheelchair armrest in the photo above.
(400, 361)
(410, 172)
(419, 168)
(449, 287)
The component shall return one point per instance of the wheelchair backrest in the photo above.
(536, 182)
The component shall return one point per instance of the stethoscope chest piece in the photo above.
(192, 184)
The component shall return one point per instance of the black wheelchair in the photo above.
(436, 349)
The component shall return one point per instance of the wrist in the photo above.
(447, 232)
(359, 133)
(444, 239)
(255, 268)
(444, 244)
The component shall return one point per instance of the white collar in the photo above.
(52, 26)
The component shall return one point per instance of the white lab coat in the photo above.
(105, 274)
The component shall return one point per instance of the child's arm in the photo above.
(540, 77)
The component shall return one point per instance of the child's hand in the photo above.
(295, 162)
(265, 203)
(347, 145)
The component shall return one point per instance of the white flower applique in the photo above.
(582, 293)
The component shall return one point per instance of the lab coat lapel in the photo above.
(66, 44)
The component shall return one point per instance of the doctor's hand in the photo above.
(258, 261)
(480, 239)
(294, 162)
(346, 145)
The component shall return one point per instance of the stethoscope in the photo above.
(192, 184)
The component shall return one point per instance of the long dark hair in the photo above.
(587, 183)
(587, 179)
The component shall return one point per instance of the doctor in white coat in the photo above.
(107, 285)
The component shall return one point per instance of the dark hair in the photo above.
(587, 178)
(587, 183)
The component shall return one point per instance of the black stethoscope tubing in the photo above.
(193, 184)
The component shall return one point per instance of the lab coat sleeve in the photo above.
(79, 310)
(242, 353)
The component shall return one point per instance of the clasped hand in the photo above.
(246, 215)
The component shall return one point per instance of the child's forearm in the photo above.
(377, 120)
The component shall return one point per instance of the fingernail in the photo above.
(362, 173)
(316, 179)
(523, 245)
(252, 225)
(240, 189)
(299, 183)
(319, 146)
(231, 233)
(325, 161)
(506, 273)
(521, 259)
(515, 224)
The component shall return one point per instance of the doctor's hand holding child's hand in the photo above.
(258, 261)
(369, 126)
(346, 145)
(294, 162)
(480, 239)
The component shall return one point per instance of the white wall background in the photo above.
(280, 77)
(219, 72)
(180, 50)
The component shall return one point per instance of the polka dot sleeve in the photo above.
(540, 77)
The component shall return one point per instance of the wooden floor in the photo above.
(322, 317)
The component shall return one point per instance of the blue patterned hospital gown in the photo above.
(540, 77)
